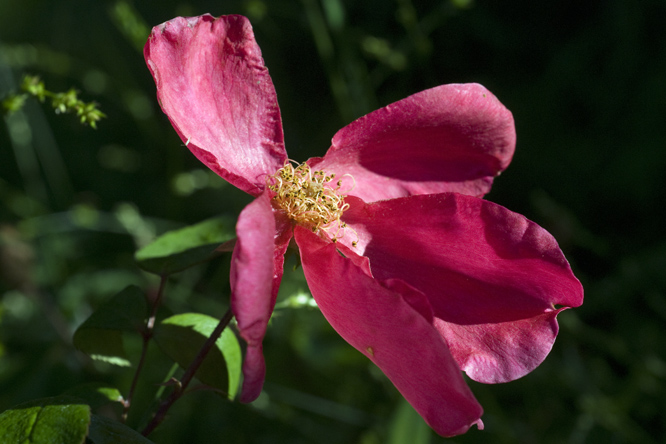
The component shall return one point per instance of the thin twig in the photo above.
(146, 335)
(179, 389)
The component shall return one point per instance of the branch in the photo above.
(179, 389)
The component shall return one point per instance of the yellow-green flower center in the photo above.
(310, 198)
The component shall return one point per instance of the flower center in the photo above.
(310, 198)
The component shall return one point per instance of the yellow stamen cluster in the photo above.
(310, 198)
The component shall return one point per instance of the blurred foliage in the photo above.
(586, 82)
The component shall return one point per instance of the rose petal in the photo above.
(213, 85)
(389, 323)
(449, 138)
(256, 272)
(492, 277)
(501, 352)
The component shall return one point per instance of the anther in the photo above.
(308, 198)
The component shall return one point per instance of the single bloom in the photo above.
(403, 256)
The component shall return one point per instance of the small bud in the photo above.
(13, 103)
(35, 87)
(67, 102)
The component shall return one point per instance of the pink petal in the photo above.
(213, 85)
(256, 272)
(492, 277)
(449, 138)
(390, 323)
(504, 351)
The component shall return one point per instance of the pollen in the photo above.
(312, 199)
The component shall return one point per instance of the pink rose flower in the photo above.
(403, 256)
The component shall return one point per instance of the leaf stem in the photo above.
(146, 335)
(179, 389)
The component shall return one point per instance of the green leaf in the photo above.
(107, 431)
(96, 394)
(180, 249)
(100, 336)
(408, 426)
(181, 337)
(56, 420)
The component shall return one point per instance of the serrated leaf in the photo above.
(96, 394)
(180, 249)
(107, 431)
(55, 420)
(181, 337)
(100, 336)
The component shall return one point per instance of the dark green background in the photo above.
(586, 82)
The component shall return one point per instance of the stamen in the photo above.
(310, 199)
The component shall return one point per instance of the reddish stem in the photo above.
(179, 389)
(146, 335)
